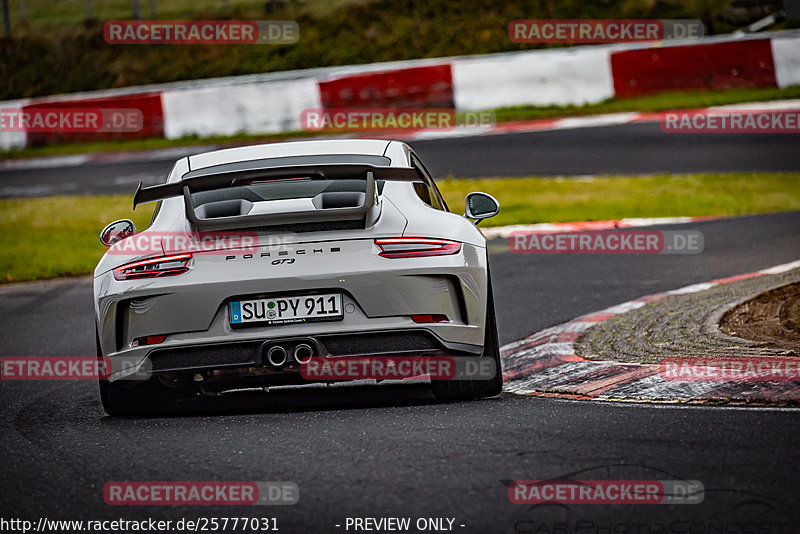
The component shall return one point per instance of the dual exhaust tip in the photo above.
(277, 356)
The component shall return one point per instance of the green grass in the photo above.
(534, 200)
(661, 102)
(53, 14)
(58, 236)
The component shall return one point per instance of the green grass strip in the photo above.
(58, 236)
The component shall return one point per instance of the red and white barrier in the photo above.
(786, 57)
(560, 76)
(415, 87)
(12, 139)
(726, 65)
(272, 103)
(149, 104)
(256, 107)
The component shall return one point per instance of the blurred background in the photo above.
(56, 46)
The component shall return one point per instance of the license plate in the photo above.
(283, 310)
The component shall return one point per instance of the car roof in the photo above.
(371, 147)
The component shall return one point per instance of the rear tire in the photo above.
(133, 397)
(476, 389)
(129, 397)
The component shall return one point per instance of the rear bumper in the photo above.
(247, 360)
(379, 295)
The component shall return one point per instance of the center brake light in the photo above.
(413, 247)
(256, 181)
(154, 267)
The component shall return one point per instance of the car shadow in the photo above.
(303, 400)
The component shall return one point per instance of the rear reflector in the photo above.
(412, 247)
(154, 267)
(148, 340)
(435, 318)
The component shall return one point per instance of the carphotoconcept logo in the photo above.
(378, 119)
(607, 242)
(201, 32)
(186, 493)
(584, 31)
(731, 121)
(71, 120)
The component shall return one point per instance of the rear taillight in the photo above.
(148, 340)
(154, 267)
(411, 247)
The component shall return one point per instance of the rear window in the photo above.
(279, 190)
(255, 191)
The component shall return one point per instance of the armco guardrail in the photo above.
(274, 102)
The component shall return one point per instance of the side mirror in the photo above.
(480, 206)
(117, 231)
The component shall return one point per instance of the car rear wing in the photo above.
(203, 180)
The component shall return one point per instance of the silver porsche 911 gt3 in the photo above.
(261, 259)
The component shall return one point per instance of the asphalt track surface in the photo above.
(625, 149)
(386, 452)
(393, 451)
